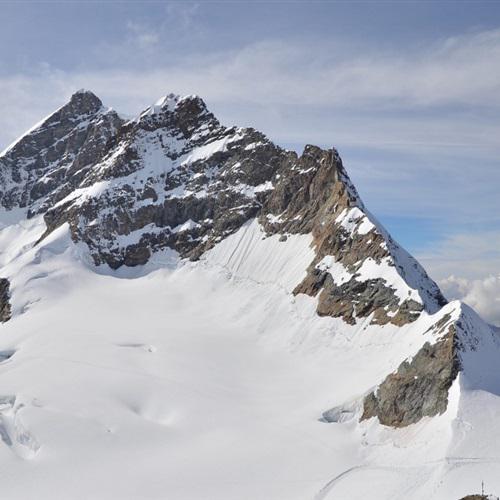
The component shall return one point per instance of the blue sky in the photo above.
(409, 92)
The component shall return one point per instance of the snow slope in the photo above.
(208, 380)
(244, 372)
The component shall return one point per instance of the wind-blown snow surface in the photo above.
(208, 380)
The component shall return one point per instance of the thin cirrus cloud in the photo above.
(474, 254)
(418, 129)
(456, 71)
(143, 37)
(453, 73)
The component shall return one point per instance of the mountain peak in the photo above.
(42, 161)
(83, 101)
(83, 91)
(167, 103)
(184, 114)
(170, 102)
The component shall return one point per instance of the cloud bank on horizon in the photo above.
(409, 94)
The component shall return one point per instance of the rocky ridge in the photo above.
(54, 157)
(420, 385)
(5, 307)
(174, 177)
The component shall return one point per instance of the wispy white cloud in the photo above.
(143, 36)
(184, 15)
(467, 267)
(367, 84)
(481, 294)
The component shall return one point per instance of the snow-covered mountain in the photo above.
(192, 312)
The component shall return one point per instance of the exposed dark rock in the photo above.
(5, 309)
(310, 191)
(359, 299)
(218, 192)
(419, 388)
(408, 311)
(313, 282)
(50, 161)
(476, 497)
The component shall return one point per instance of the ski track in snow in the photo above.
(327, 491)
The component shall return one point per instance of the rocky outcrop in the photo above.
(478, 497)
(5, 308)
(359, 299)
(51, 160)
(174, 175)
(419, 387)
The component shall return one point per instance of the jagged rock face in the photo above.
(308, 192)
(359, 299)
(174, 177)
(419, 387)
(5, 309)
(315, 195)
(50, 161)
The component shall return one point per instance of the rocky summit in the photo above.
(308, 267)
(175, 177)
